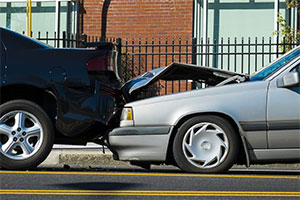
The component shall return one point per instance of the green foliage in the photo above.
(289, 34)
(292, 3)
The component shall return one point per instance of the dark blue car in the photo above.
(50, 95)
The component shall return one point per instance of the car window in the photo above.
(296, 69)
(268, 71)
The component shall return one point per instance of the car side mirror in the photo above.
(289, 80)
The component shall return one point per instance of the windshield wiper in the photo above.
(236, 78)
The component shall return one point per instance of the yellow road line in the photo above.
(151, 174)
(150, 193)
(145, 191)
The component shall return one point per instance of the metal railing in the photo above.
(140, 56)
(244, 56)
(63, 40)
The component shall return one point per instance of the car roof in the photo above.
(16, 41)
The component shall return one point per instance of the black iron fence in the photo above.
(239, 55)
(67, 40)
(244, 55)
(141, 55)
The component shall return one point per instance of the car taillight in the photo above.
(100, 63)
(110, 91)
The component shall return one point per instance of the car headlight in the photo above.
(127, 117)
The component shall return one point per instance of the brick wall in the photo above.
(92, 10)
(143, 20)
(140, 18)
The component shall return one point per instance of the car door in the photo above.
(283, 112)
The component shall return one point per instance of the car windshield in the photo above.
(267, 71)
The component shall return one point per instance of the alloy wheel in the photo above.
(21, 135)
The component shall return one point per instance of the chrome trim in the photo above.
(155, 130)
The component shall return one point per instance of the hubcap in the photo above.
(205, 145)
(21, 135)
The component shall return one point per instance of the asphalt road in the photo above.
(141, 184)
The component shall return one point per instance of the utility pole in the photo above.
(28, 18)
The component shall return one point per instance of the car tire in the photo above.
(206, 144)
(26, 135)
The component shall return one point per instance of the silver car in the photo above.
(240, 118)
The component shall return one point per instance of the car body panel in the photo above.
(217, 99)
(278, 155)
(2, 60)
(62, 73)
(280, 122)
(79, 109)
(149, 147)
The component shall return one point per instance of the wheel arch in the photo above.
(243, 156)
(32, 93)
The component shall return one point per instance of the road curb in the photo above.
(93, 157)
(80, 158)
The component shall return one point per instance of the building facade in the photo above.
(139, 18)
(213, 19)
(221, 27)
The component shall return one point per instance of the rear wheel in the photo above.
(206, 144)
(26, 135)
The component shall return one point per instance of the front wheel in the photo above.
(206, 144)
(26, 135)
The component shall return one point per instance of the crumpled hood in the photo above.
(176, 71)
(205, 94)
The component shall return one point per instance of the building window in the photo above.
(241, 22)
(52, 16)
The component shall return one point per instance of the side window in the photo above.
(297, 87)
(296, 69)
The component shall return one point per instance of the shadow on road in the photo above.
(99, 185)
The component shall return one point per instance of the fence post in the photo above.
(64, 39)
(82, 40)
(194, 58)
(194, 51)
(284, 47)
(277, 46)
(119, 49)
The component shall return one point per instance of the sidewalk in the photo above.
(92, 156)
(80, 157)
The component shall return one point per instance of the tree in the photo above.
(288, 34)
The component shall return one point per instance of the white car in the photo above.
(241, 119)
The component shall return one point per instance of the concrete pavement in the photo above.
(80, 157)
